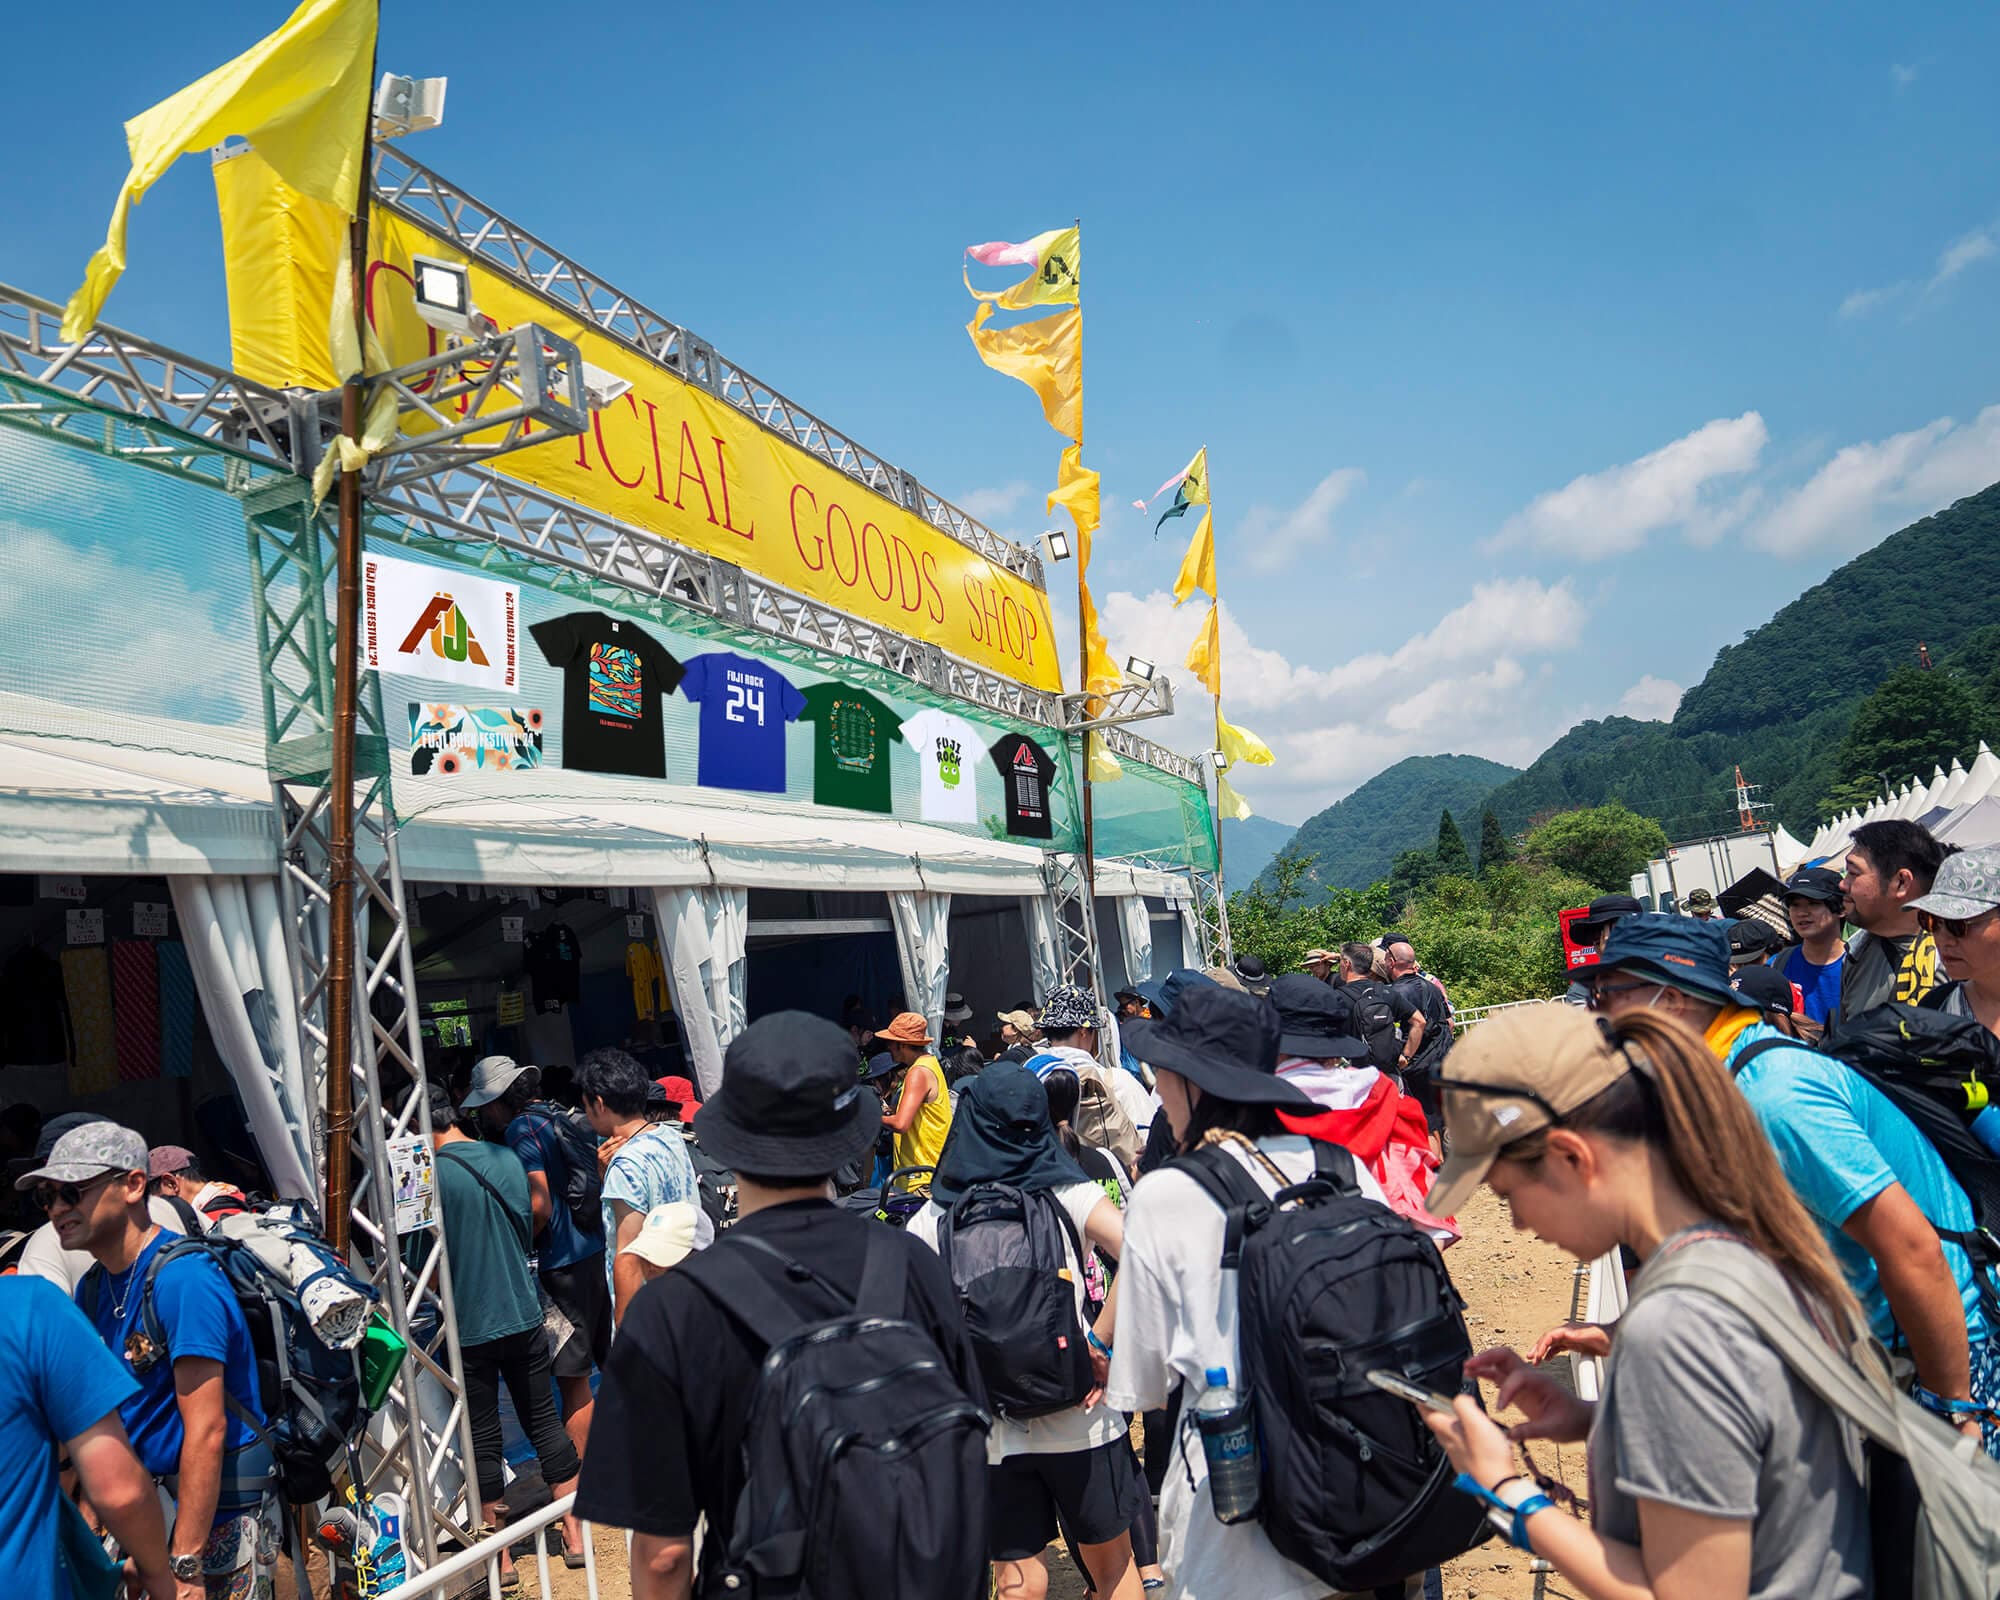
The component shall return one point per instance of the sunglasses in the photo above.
(1599, 991)
(70, 1194)
(1957, 927)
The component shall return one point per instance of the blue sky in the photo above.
(1539, 351)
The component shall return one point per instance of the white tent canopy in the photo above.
(1954, 784)
(1982, 777)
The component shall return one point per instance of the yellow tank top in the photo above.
(923, 1144)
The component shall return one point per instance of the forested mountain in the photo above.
(1248, 846)
(1356, 839)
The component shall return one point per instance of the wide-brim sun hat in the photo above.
(790, 1105)
(493, 1076)
(1312, 1017)
(1224, 1042)
(906, 1027)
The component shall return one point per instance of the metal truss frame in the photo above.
(434, 204)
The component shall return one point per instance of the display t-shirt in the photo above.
(944, 745)
(554, 961)
(1025, 774)
(614, 675)
(56, 1382)
(745, 705)
(850, 747)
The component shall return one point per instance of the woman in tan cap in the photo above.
(1714, 1470)
(922, 1116)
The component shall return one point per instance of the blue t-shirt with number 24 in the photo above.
(745, 705)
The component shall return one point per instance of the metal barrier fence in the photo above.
(1464, 1017)
(483, 1558)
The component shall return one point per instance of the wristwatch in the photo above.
(186, 1569)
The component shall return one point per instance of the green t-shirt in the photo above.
(851, 735)
(490, 1281)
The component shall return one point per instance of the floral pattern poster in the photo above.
(448, 739)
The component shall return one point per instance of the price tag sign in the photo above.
(48, 888)
(149, 919)
(86, 927)
(635, 926)
(513, 930)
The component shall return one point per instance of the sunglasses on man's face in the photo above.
(1600, 992)
(70, 1194)
(1957, 927)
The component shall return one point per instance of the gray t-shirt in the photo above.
(1700, 1413)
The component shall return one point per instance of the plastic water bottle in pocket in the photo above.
(1228, 1431)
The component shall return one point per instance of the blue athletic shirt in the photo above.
(56, 1381)
(745, 705)
(1820, 985)
(1841, 1143)
(200, 1318)
(534, 1141)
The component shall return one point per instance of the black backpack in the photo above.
(1331, 1285)
(576, 1145)
(1376, 1020)
(311, 1394)
(1009, 1254)
(715, 1184)
(864, 1461)
(1924, 1061)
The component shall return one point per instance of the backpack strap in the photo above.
(1757, 1047)
(725, 1274)
(1223, 1178)
(1335, 1164)
(885, 1273)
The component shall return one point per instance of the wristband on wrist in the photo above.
(1510, 1516)
(1097, 1344)
(1938, 1406)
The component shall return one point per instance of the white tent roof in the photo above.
(1982, 777)
(1954, 784)
(1933, 792)
(1976, 824)
(1789, 851)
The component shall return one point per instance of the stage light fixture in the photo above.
(601, 388)
(1218, 760)
(1140, 670)
(444, 296)
(407, 105)
(1055, 544)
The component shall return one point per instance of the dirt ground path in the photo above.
(1515, 1287)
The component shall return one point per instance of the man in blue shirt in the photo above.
(59, 1386)
(569, 1260)
(1879, 1191)
(1812, 904)
(190, 1419)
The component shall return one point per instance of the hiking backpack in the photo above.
(310, 1392)
(583, 1184)
(1010, 1255)
(1933, 1495)
(1375, 1020)
(864, 1461)
(1329, 1286)
(715, 1184)
(1925, 1062)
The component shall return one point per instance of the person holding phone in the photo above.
(1715, 1474)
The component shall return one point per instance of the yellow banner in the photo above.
(666, 456)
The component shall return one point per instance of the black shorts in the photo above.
(1095, 1494)
(581, 1294)
(1421, 1084)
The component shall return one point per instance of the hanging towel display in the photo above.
(135, 1016)
(93, 1069)
(177, 1002)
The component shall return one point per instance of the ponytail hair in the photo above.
(1680, 1101)
(1064, 1090)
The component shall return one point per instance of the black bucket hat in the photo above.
(1602, 912)
(1314, 1019)
(789, 1105)
(1224, 1042)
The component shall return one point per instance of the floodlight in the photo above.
(1055, 544)
(1139, 670)
(601, 388)
(407, 105)
(444, 295)
(1217, 760)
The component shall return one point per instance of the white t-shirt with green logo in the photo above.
(947, 749)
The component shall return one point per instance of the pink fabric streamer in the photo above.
(1143, 505)
(998, 253)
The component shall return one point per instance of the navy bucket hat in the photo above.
(1680, 952)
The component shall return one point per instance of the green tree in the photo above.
(1603, 845)
(1493, 848)
(1412, 872)
(1915, 721)
(1453, 858)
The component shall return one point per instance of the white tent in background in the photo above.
(1933, 792)
(1908, 801)
(1788, 851)
(1973, 825)
(1954, 785)
(1982, 777)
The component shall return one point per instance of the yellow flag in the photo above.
(1100, 673)
(1230, 804)
(1194, 482)
(1046, 355)
(1204, 657)
(1076, 493)
(300, 94)
(1058, 276)
(1198, 565)
(1240, 744)
(1104, 767)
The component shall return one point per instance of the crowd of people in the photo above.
(916, 1306)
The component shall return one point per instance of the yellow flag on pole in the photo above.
(1228, 803)
(1056, 256)
(1046, 355)
(1204, 657)
(1100, 673)
(300, 94)
(1198, 565)
(1104, 767)
(1076, 493)
(1240, 744)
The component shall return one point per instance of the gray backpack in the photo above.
(1933, 1494)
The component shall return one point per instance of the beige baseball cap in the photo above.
(1019, 1021)
(666, 1236)
(1513, 1075)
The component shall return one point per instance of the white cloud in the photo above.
(1273, 537)
(1863, 301)
(1902, 75)
(1976, 246)
(1869, 489)
(990, 504)
(1651, 699)
(1612, 512)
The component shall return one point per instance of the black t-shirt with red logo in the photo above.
(1025, 774)
(614, 676)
